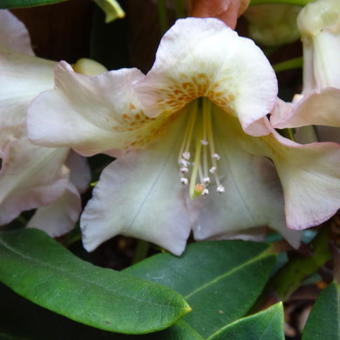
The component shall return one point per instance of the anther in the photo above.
(204, 142)
(220, 188)
(213, 169)
(184, 163)
(205, 192)
(206, 180)
(186, 155)
(184, 170)
(216, 156)
(184, 181)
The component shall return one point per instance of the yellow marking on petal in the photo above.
(186, 89)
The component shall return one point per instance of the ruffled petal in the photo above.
(91, 114)
(310, 177)
(60, 216)
(205, 58)
(30, 177)
(253, 196)
(314, 109)
(21, 78)
(13, 34)
(140, 195)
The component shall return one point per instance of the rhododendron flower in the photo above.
(193, 143)
(32, 176)
(319, 103)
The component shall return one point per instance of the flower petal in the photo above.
(328, 134)
(13, 34)
(253, 196)
(59, 217)
(80, 171)
(140, 195)
(205, 58)
(30, 177)
(22, 78)
(310, 176)
(90, 114)
(314, 109)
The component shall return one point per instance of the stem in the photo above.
(73, 237)
(289, 64)
(163, 16)
(288, 2)
(141, 251)
(291, 134)
(290, 276)
(180, 11)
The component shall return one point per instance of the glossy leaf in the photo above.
(27, 3)
(220, 280)
(40, 269)
(265, 325)
(324, 320)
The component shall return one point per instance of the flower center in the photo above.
(198, 159)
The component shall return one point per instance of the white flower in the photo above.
(319, 103)
(31, 176)
(202, 107)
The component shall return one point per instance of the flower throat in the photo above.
(198, 159)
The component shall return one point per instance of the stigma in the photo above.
(198, 159)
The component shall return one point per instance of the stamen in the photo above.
(184, 149)
(205, 192)
(220, 188)
(184, 181)
(206, 180)
(184, 163)
(186, 155)
(198, 159)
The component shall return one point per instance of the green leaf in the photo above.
(40, 269)
(265, 325)
(221, 280)
(27, 3)
(324, 320)
(111, 9)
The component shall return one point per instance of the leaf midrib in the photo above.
(263, 254)
(71, 274)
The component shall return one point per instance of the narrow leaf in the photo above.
(324, 320)
(220, 280)
(265, 325)
(40, 269)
